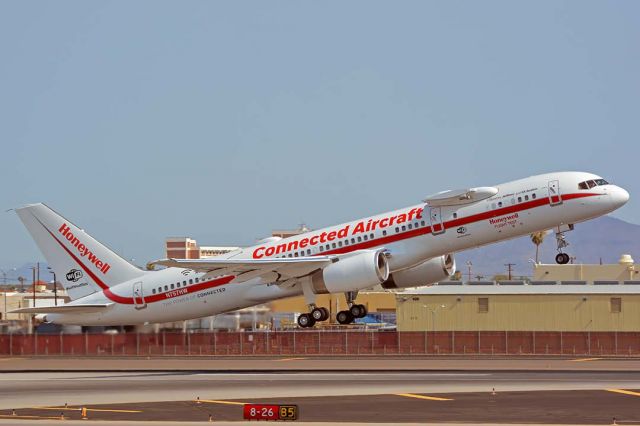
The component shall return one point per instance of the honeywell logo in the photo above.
(83, 250)
(503, 219)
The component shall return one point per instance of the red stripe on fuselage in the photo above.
(454, 223)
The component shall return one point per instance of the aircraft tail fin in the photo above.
(82, 264)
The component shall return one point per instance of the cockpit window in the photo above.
(587, 184)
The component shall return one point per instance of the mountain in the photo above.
(603, 239)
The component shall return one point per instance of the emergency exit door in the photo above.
(435, 219)
(555, 197)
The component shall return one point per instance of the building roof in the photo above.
(519, 287)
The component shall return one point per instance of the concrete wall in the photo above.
(518, 312)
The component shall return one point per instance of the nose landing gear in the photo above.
(562, 258)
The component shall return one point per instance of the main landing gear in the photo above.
(343, 317)
(316, 314)
(562, 258)
(354, 311)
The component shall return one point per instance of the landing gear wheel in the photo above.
(344, 317)
(320, 314)
(562, 258)
(358, 311)
(306, 320)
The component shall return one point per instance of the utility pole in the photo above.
(509, 269)
(55, 286)
(469, 264)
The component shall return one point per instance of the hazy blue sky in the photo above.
(223, 120)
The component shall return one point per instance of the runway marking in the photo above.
(584, 359)
(213, 401)
(9, 416)
(430, 398)
(289, 359)
(88, 409)
(626, 392)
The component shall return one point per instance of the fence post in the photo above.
(534, 342)
(35, 336)
(372, 346)
(319, 342)
(294, 342)
(589, 340)
(506, 342)
(137, 343)
(561, 344)
(478, 342)
(615, 339)
(188, 343)
(346, 342)
(11, 343)
(241, 336)
(61, 344)
(453, 342)
(425, 342)
(164, 343)
(86, 343)
(398, 342)
(215, 345)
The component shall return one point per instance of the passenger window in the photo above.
(384, 232)
(197, 280)
(519, 199)
(353, 241)
(184, 283)
(321, 248)
(404, 228)
(533, 196)
(499, 203)
(166, 288)
(171, 286)
(346, 242)
(295, 254)
(359, 239)
(397, 229)
(422, 223)
(409, 226)
(190, 281)
(333, 245)
(371, 236)
(153, 291)
(365, 237)
(526, 198)
(309, 252)
(513, 201)
(455, 215)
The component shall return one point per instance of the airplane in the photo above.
(408, 247)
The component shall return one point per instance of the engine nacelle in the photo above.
(361, 270)
(429, 272)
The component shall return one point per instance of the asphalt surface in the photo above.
(561, 391)
(559, 407)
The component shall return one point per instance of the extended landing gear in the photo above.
(562, 258)
(347, 317)
(310, 319)
(355, 311)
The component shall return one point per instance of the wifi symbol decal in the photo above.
(186, 272)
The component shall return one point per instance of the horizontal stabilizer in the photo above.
(63, 309)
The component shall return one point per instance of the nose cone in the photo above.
(619, 196)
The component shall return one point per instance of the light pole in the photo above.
(55, 286)
(469, 264)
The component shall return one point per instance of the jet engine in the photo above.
(428, 272)
(363, 269)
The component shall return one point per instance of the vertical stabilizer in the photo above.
(82, 265)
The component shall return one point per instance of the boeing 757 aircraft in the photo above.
(409, 247)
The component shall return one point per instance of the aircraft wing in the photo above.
(458, 197)
(245, 269)
(96, 307)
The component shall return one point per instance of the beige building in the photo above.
(520, 307)
(624, 270)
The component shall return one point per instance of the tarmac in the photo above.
(389, 390)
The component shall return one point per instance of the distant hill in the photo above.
(605, 238)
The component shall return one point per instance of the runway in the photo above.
(593, 393)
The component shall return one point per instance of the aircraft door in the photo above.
(555, 197)
(435, 218)
(138, 296)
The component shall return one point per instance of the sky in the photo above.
(225, 120)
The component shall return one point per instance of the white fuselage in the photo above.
(411, 235)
